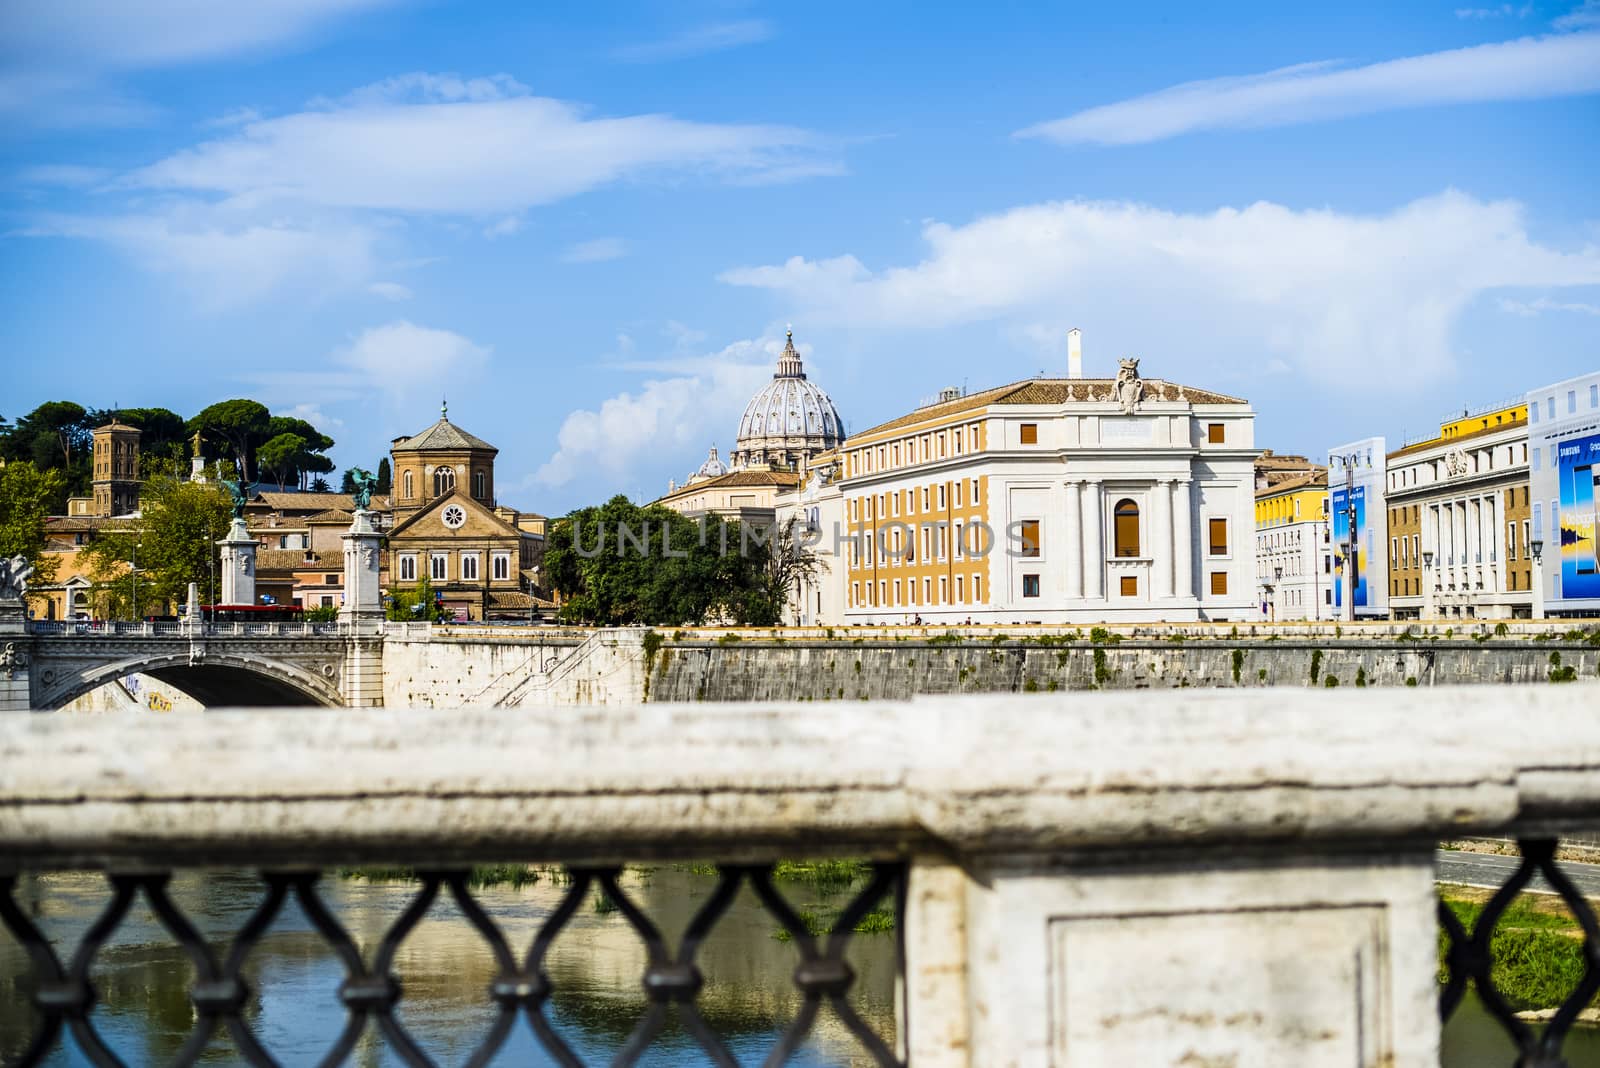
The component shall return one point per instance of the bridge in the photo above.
(216, 664)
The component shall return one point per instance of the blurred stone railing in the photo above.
(1080, 880)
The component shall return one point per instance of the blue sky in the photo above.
(588, 225)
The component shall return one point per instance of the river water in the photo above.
(143, 977)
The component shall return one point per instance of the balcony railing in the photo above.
(178, 629)
(1089, 880)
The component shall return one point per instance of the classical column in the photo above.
(1498, 541)
(1161, 524)
(1094, 548)
(238, 565)
(1183, 542)
(1072, 567)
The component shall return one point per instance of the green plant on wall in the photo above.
(1316, 665)
(1238, 665)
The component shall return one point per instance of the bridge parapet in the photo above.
(1085, 880)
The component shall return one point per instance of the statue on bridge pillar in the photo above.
(14, 684)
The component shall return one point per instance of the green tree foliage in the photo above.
(56, 436)
(619, 564)
(415, 605)
(174, 539)
(26, 494)
(239, 426)
(310, 459)
(385, 477)
(162, 432)
(277, 457)
(348, 483)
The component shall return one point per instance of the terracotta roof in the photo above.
(1046, 391)
(442, 435)
(332, 515)
(509, 599)
(1315, 480)
(1434, 443)
(297, 501)
(298, 560)
(749, 477)
(67, 523)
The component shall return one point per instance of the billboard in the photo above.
(1578, 490)
(1342, 498)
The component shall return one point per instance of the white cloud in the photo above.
(503, 227)
(232, 118)
(399, 356)
(390, 291)
(1504, 11)
(55, 55)
(1526, 69)
(1586, 16)
(666, 420)
(436, 143)
(71, 175)
(313, 414)
(715, 37)
(1336, 295)
(596, 251)
(231, 253)
(1540, 305)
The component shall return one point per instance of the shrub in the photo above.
(1330, 682)
(1238, 664)
(1411, 680)
(1316, 665)
(728, 639)
(1501, 630)
(1361, 677)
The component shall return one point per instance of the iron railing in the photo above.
(64, 995)
(1469, 958)
(171, 629)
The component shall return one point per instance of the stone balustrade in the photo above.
(1185, 877)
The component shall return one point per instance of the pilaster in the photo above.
(1094, 550)
(1183, 531)
(1161, 521)
(1072, 568)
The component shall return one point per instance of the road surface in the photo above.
(1490, 870)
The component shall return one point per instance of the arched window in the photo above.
(410, 489)
(444, 480)
(480, 485)
(1125, 530)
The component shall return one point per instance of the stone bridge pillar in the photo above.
(15, 658)
(361, 617)
(238, 565)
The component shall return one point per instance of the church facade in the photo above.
(480, 560)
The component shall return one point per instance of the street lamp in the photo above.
(1427, 584)
(1537, 545)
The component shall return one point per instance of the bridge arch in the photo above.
(217, 680)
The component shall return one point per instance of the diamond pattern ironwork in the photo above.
(65, 997)
(1468, 957)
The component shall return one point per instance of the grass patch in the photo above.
(1537, 947)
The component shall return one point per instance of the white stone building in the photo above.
(1055, 501)
(1564, 475)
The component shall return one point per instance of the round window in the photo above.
(453, 516)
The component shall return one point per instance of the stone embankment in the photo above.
(461, 666)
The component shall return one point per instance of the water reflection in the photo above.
(143, 978)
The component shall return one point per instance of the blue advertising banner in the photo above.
(1341, 542)
(1578, 477)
